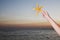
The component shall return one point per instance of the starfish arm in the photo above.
(37, 5)
(41, 6)
(34, 9)
(37, 13)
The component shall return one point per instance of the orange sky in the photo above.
(31, 24)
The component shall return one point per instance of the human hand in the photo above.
(45, 14)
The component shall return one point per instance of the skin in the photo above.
(46, 16)
(52, 22)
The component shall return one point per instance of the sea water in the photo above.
(28, 34)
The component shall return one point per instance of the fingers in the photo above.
(45, 13)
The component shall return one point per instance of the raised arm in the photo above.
(52, 22)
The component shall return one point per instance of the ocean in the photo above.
(28, 34)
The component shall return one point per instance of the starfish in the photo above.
(38, 9)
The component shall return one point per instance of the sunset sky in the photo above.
(20, 11)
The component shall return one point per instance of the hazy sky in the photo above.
(20, 11)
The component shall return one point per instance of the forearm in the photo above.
(54, 24)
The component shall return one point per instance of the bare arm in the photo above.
(52, 22)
